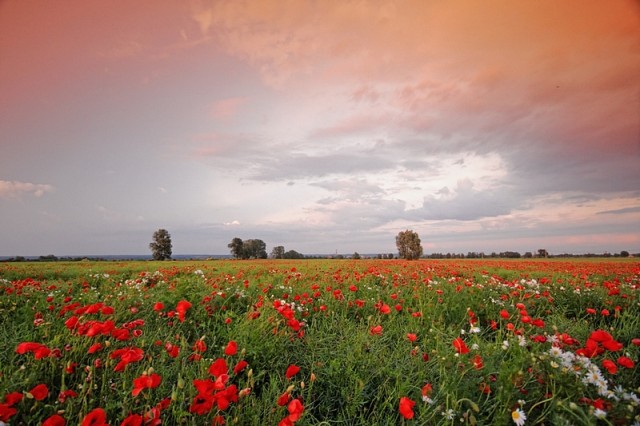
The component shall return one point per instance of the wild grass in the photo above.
(323, 317)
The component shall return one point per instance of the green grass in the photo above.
(348, 376)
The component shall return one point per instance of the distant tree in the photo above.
(161, 245)
(528, 255)
(543, 253)
(254, 249)
(292, 254)
(624, 253)
(408, 243)
(356, 255)
(277, 252)
(236, 247)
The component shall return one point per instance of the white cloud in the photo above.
(9, 189)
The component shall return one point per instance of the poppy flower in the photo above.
(231, 349)
(610, 366)
(477, 362)
(133, 420)
(96, 417)
(181, 308)
(295, 409)
(13, 398)
(6, 412)
(145, 382)
(460, 346)
(199, 346)
(218, 368)
(241, 365)
(292, 370)
(626, 362)
(127, 356)
(54, 420)
(38, 349)
(412, 337)
(283, 399)
(376, 330)
(406, 407)
(39, 392)
(95, 348)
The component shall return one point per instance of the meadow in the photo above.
(320, 342)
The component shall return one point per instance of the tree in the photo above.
(249, 249)
(356, 255)
(277, 252)
(236, 246)
(292, 254)
(256, 249)
(161, 245)
(408, 243)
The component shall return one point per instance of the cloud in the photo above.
(226, 109)
(9, 189)
(465, 203)
(624, 210)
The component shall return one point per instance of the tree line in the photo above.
(407, 242)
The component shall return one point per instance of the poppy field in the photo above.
(320, 342)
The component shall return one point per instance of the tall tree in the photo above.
(277, 252)
(237, 249)
(408, 243)
(161, 245)
(254, 248)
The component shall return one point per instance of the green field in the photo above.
(376, 342)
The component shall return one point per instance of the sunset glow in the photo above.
(320, 126)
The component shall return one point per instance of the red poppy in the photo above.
(460, 346)
(218, 367)
(96, 417)
(375, 330)
(145, 382)
(54, 420)
(292, 370)
(283, 399)
(406, 407)
(295, 409)
(39, 392)
(181, 308)
(6, 412)
(426, 390)
(12, 398)
(199, 346)
(241, 365)
(231, 349)
(127, 356)
(94, 348)
(172, 350)
(477, 362)
(38, 349)
(626, 362)
(132, 420)
(412, 337)
(610, 366)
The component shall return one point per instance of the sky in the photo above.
(322, 126)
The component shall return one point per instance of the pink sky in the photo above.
(320, 126)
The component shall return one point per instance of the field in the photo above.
(320, 342)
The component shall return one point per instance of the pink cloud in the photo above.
(10, 189)
(226, 109)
